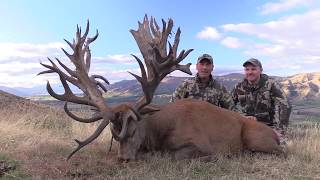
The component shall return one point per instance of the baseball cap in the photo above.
(252, 61)
(205, 56)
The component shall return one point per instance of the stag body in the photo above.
(191, 128)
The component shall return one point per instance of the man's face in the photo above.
(252, 72)
(204, 68)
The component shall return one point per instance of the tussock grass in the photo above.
(34, 142)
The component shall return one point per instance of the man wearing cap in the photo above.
(203, 86)
(258, 96)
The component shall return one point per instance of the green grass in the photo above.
(11, 169)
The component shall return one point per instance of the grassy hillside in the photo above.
(30, 150)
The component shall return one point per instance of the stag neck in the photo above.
(151, 136)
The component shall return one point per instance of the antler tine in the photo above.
(69, 43)
(81, 58)
(68, 95)
(176, 42)
(98, 131)
(158, 61)
(100, 77)
(87, 60)
(92, 88)
(96, 117)
(54, 68)
(154, 27)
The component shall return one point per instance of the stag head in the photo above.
(124, 119)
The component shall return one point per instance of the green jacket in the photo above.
(262, 101)
(213, 92)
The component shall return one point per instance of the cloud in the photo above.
(15, 51)
(209, 33)
(232, 42)
(117, 58)
(285, 29)
(20, 64)
(25, 80)
(284, 5)
(287, 42)
(290, 66)
(18, 68)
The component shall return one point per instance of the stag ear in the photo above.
(149, 109)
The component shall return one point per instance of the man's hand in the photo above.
(251, 118)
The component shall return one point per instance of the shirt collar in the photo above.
(210, 83)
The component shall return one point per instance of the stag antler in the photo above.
(152, 43)
(91, 88)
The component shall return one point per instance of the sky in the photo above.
(283, 34)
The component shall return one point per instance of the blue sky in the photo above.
(283, 34)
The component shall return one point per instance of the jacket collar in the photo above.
(261, 83)
(210, 83)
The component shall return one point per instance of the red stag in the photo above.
(186, 128)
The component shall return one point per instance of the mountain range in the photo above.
(305, 86)
(168, 85)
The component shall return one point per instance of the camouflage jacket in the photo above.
(262, 101)
(213, 92)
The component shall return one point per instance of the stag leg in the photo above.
(192, 152)
(188, 152)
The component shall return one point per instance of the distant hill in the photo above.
(168, 84)
(33, 91)
(298, 87)
(133, 87)
(304, 86)
(32, 113)
(14, 91)
(10, 102)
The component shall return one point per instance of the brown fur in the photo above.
(192, 128)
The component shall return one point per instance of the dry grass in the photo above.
(39, 152)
